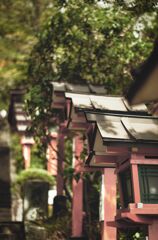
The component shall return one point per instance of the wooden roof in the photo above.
(17, 117)
(78, 88)
(104, 104)
(130, 129)
(115, 137)
(145, 85)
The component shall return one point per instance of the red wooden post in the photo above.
(135, 179)
(26, 143)
(153, 230)
(55, 156)
(109, 233)
(77, 186)
(60, 167)
(52, 154)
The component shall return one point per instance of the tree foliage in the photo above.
(19, 25)
(90, 41)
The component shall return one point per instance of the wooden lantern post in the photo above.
(55, 157)
(52, 154)
(61, 158)
(77, 188)
(109, 203)
(27, 143)
(19, 121)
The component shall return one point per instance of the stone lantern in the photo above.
(35, 199)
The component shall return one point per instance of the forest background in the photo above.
(66, 40)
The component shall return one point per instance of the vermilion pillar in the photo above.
(52, 154)
(77, 187)
(60, 167)
(153, 230)
(27, 143)
(109, 233)
(55, 156)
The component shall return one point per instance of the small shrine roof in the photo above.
(113, 128)
(135, 108)
(105, 104)
(18, 117)
(145, 84)
(108, 103)
(148, 90)
(141, 129)
(96, 89)
(80, 100)
(93, 117)
(59, 86)
(130, 129)
(78, 88)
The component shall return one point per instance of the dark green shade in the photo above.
(148, 178)
(127, 190)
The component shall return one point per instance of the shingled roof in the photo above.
(145, 85)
